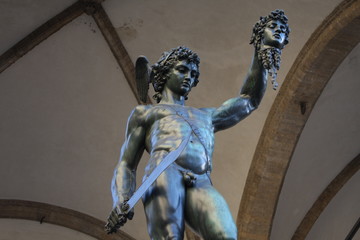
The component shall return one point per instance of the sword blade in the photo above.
(163, 165)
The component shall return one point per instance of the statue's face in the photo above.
(182, 77)
(274, 34)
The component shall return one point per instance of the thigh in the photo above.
(164, 206)
(207, 212)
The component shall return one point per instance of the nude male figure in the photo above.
(184, 192)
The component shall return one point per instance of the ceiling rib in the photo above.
(64, 217)
(331, 42)
(354, 230)
(117, 48)
(40, 34)
(91, 7)
(325, 197)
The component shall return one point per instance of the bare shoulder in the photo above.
(141, 110)
(138, 114)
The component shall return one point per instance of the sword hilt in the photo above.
(123, 213)
(124, 206)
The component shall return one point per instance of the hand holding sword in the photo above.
(118, 217)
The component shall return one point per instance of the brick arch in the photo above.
(331, 42)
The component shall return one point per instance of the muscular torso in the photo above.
(168, 125)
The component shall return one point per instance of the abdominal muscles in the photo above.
(194, 157)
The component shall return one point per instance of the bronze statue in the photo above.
(184, 192)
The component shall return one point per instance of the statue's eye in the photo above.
(181, 69)
(194, 74)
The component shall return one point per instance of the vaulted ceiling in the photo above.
(288, 171)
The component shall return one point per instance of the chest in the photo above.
(179, 118)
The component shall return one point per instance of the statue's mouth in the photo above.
(186, 84)
(276, 35)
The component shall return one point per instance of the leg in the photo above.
(164, 206)
(207, 212)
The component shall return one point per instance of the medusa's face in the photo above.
(275, 34)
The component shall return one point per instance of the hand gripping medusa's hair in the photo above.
(167, 61)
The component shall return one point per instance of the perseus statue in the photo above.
(182, 138)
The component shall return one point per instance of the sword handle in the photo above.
(118, 217)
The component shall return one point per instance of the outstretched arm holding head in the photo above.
(270, 35)
(235, 109)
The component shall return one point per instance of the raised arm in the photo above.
(124, 180)
(270, 35)
(235, 109)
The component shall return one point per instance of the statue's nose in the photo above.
(279, 30)
(188, 75)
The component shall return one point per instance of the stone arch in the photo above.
(64, 217)
(325, 198)
(331, 42)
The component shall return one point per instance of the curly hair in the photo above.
(161, 69)
(259, 27)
